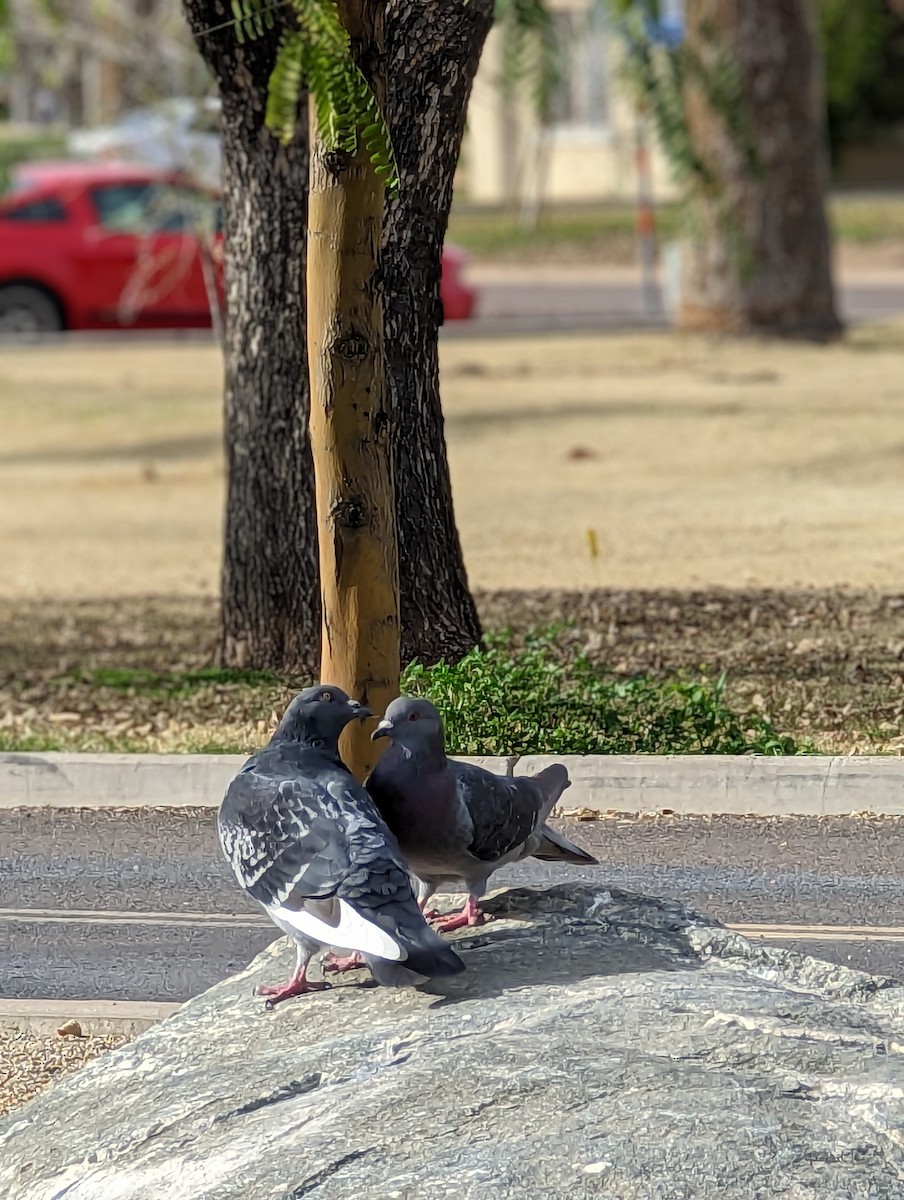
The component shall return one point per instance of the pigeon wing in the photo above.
(504, 812)
(314, 850)
(281, 836)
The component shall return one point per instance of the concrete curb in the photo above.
(97, 1017)
(806, 786)
(57, 780)
(707, 784)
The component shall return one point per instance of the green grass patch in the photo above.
(498, 700)
(498, 234)
(862, 220)
(533, 694)
(162, 684)
(77, 741)
(606, 231)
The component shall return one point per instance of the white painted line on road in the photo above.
(822, 933)
(89, 916)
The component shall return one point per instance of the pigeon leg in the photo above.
(352, 962)
(470, 915)
(298, 985)
(422, 894)
(429, 914)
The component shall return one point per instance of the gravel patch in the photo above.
(31, 1062)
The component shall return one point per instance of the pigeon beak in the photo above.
(359, 711)
(384, 729)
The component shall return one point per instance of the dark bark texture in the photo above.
(270, 585)
(432, 51)
(761, 259)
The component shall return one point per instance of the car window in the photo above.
(142, 208)
(47, 209)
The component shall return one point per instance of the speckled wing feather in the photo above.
(504, 812)
(306, 830)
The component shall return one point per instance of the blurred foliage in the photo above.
(25, 148)
(852, 36)
(863, 44)
(534, 56)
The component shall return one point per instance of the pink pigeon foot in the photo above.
(470, 915)
(298, 985)
(333, 962)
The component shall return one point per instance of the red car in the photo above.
(123, 246)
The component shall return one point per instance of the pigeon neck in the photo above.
(289, 731)
(425, 756)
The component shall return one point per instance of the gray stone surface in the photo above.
(600, 1045)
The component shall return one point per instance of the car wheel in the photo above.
(27, 311)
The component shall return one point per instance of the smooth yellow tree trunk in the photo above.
(350, 427)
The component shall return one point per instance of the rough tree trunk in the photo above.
(350, 422)
(270, 596)
(760, 260)
(270, 590)
(432, 51)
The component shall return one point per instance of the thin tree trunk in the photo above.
(350, 424)
(432, 51)
(760, 260)
(270, 616)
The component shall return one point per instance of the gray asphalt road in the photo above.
(601, 305)
(511, 308)
(108, 870)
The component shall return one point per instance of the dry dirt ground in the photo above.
(687, 502)
(686, 463)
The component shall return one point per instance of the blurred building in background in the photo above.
(83, 76)
(584, 149)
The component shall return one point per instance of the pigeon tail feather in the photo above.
(425, 952)
(555, 847)
(351, 931)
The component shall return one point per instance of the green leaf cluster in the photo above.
(315, 57)
(531, 699)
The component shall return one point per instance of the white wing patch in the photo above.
(352, 933)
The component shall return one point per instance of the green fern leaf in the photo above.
(316, 55)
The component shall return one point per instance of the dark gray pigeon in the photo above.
(455, 821)
(306, 841)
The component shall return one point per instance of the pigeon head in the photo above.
(412, 723)
(318, 715)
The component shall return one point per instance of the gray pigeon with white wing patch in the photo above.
(306, 841)
(455, 821)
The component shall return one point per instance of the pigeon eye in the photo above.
(326, 696)
(413, 716)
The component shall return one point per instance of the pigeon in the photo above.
(307, 842)
(457, 821)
